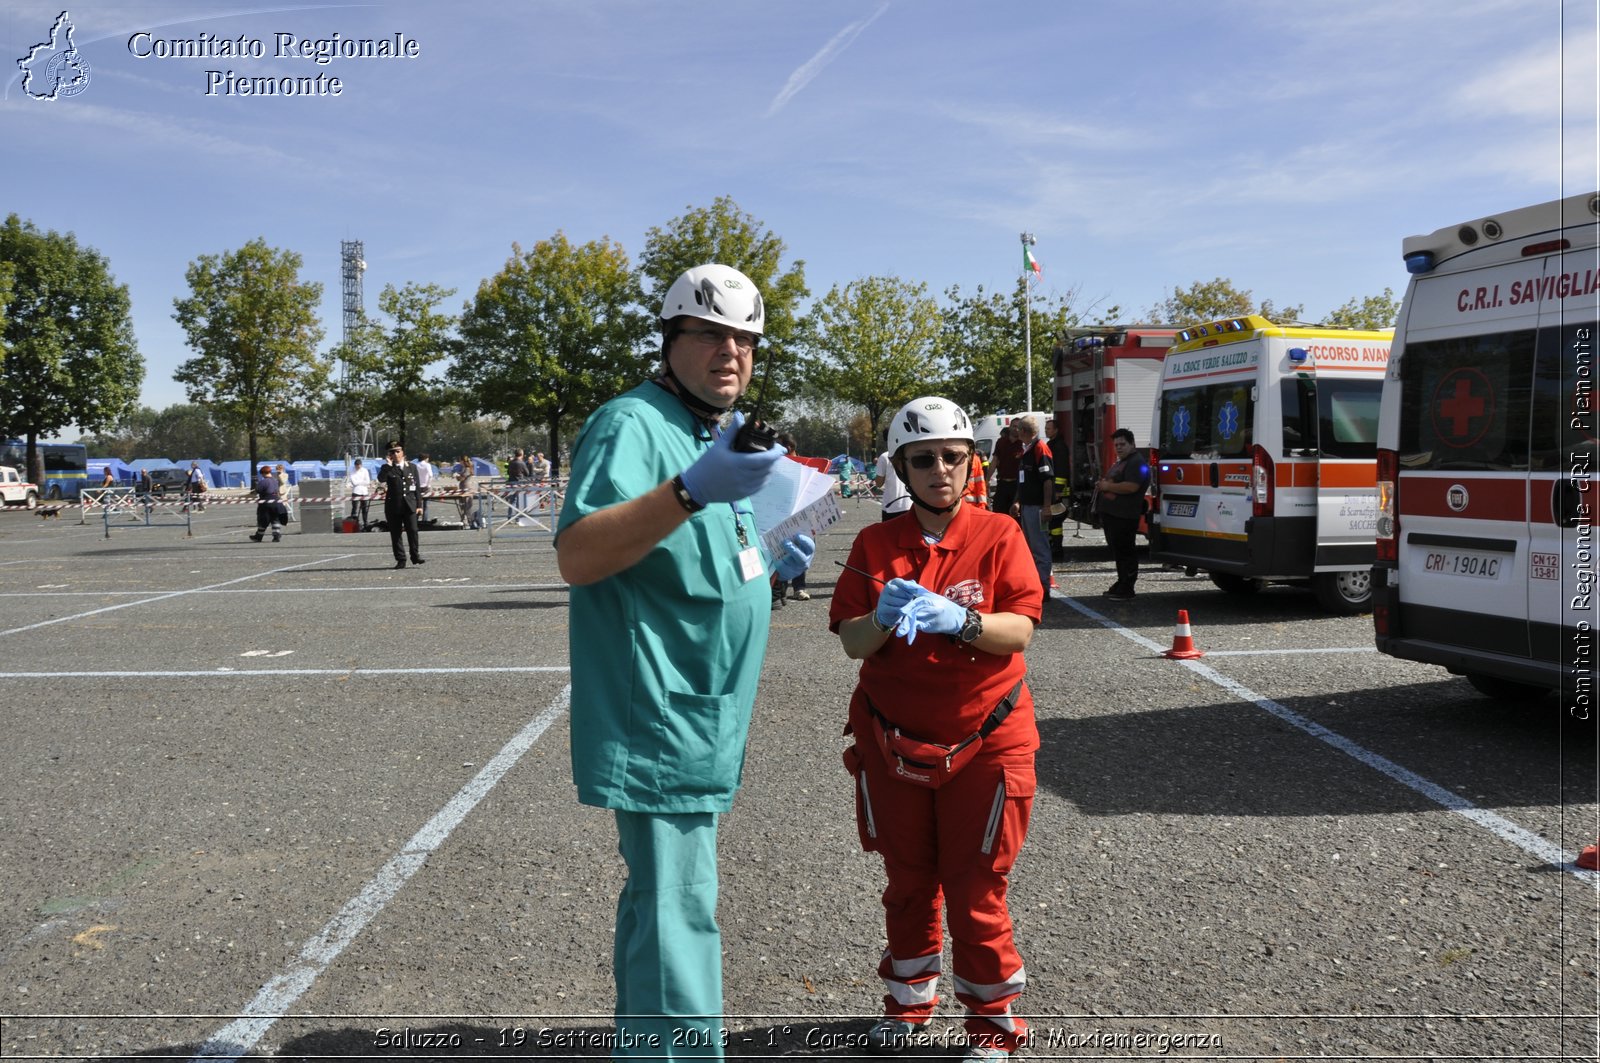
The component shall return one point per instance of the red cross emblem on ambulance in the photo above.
(1463, 407)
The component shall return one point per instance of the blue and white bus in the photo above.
(66, 465)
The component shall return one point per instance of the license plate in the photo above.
(1181, 509)
(1458, 563)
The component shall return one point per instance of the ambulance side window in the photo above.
(1466, 402)
(1180, 419)
(1299, 401)
(1566, 401)
(1347, 418)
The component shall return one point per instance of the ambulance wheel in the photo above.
(1491, 686)
(1346, 593)
(1235, 584)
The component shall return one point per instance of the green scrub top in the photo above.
(666, 654)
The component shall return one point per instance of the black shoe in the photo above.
(418, 561)
(399, 564)
(1120, 593)
(257, 537)
(275, 538)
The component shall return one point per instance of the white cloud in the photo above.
(808, 70)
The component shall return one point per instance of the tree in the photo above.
(1215, 300)
(255, 327)
(874, 343)
(982, 339)
(1373, 312)
(553, 335)
(388, 368)
(70, 353)
(724, 233)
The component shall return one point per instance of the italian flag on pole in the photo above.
(1029, 263)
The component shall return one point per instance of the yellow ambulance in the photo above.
(1266, 437)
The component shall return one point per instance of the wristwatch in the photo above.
(880, 625)
(973, 626)
(685, 499)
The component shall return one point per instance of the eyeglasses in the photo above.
(710, 337)
(950, 458)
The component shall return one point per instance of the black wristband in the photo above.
(685, 499)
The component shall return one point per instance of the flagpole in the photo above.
(1027, 317)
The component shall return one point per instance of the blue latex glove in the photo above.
(936, 613)
(723, 474)
(894, 597)
(798, 551)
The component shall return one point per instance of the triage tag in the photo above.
(750, 563)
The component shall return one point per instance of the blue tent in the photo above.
(152, 463)
(856, 465)
(237, 473)
(308, 470)
(480, 467)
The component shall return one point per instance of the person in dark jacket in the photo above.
(270, 513)
(402, 502)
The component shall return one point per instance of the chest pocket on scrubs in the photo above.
(695, 749)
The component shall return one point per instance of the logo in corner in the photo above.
(55, 66)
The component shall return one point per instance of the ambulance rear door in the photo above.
(1563, 606)
(1345, 406)
(1205, 426)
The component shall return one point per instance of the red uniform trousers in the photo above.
(956, 843)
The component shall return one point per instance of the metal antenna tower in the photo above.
(352, 264)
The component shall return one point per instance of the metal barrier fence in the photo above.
(144, 512)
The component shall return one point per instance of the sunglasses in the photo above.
(950, 458)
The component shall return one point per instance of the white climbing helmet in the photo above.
(929, 417)
(717, 293)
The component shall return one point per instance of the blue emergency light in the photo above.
(1419, 262)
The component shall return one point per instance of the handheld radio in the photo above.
(754, 435)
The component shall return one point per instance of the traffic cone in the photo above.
(1183, 647)
(1589, 859)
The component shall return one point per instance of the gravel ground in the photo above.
(215, 748)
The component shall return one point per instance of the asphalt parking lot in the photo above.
(283, 800)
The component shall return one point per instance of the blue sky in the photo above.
(1147, 144)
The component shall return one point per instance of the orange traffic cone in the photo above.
(1589, 859)
(1183, 647)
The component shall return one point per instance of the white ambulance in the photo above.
(1266, 474)
(1487, 455)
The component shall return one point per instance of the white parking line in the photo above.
(1499, 826)
(169, 594)
(278, 995)
(1297, 652)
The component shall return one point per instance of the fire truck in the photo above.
(1106, 378)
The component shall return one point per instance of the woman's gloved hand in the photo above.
(893, 599)
(723, 474)
(935, 613)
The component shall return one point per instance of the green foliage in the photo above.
(982, 339)
(1373, 312)
(554, 334)
(724, 233)
(875, 344)
(1215, 300)
(388, 380)
(70, 353)
(254, 327)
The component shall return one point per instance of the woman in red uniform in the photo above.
(938, 604)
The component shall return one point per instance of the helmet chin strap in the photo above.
(695, 403)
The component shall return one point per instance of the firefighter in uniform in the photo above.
(939, 604)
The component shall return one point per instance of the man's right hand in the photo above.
(723, 474)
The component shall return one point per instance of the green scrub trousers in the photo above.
(668, 950)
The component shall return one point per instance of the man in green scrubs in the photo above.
(671, 598)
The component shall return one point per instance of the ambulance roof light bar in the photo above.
(1237, 324)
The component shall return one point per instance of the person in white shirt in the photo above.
(424, 479)
(360, 480)
(896, 499)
